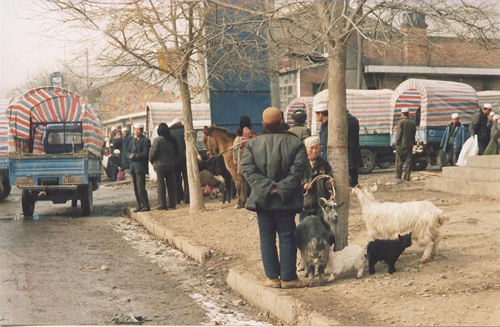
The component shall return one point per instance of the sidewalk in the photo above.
(461, 286)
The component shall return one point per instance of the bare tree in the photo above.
(302, 28)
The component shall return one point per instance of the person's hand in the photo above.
(307, 186)
(331, 181)
(131, 157)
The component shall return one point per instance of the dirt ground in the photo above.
(461, 286)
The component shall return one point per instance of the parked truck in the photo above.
(55, 145)
(430, 104)
(372, 109)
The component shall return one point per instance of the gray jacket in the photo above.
(274, 160)
(140, 149)
(405, 133)
(163, 154)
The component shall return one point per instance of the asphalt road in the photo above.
(59, 268)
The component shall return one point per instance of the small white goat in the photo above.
(385, 220)
(350, 258)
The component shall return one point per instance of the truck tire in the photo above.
(28, 200)
(368, 160)
(86, 200)
(420, 165)
(4, 188)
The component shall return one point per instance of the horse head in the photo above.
(210, 142)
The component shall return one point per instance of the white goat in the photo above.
(350, 258)
(385, 220)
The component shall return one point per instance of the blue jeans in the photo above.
(283, 223)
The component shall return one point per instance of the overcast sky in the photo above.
(25, 48)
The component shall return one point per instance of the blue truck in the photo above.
(57, 151)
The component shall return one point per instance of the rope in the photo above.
(333, 194)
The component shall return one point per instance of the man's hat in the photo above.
(124, 129)
(404, 110)
(116, 151)
(454, 115)
(299, 116)
(488, 106)
(139, 126)
(496, 117)
(311, 141)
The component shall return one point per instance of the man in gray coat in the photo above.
(138, 155)
(405, 139)
(273, 164)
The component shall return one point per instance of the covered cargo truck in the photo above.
(372, 109)
(55, 144)
(430, 104)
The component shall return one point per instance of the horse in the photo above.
(219, 141)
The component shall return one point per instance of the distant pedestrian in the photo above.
(114, 165)
(353, 149)
(315, 186)
(453, 139)
(117, 141)
(273, 164)
(182, 189)
(479, 127)
(139, 153)
(405, 139)
(299, 128)
(243, 134)
(162, 156)
(127, 139)
(322, 118)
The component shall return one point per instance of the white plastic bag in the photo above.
(470, 148)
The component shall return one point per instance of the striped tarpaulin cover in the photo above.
(52, 105)
(372, 108)
(166, 112)
(4, 129)
(492, 97)
(438, 100)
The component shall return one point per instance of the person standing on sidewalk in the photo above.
(299, 124)
(405, 139)
(322, 118)
(139, 153)
(479, 126)
(353, 149)
(453, 139)
(127, 138)
(162, 156)
(273, 164)
(182, 189)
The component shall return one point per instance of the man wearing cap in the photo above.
(177, 131)
(299, 119)
(479, 127)
(322, 118)
(453, 139)
(404, 141)
(493, 147)
(319, 188)
(273, 164)
(138, 155)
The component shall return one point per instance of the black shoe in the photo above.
(137, 209)
(145, 209)
(161, 208)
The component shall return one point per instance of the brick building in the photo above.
(414, 54)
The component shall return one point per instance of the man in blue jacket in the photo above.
(453, 139)
(138, 155)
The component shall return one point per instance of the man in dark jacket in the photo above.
(139, 153)
(405, 139)
(273, 164)
(299, 124)
(353, 149)
(479, 127)
(127, 138)
(322, 118)
(162, 156)
(177, 131)
(453, 139)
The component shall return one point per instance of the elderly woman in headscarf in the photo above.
(162, 156)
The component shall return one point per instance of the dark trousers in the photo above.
(283, 223)
(141, 195)
(353, 174)
(182, 178)
(451, 156)
(403, 156)
(166, 178)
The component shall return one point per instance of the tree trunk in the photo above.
(337, 135)
(195, 196)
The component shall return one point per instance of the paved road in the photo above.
(59, 268)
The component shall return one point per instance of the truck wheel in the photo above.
(368, 158)
(28, 200)
(420, 165)
(4, 188)
(87, 200)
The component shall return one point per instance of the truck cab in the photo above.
(63, 138)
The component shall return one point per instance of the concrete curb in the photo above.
(289, 310)
(284, 307)
(196, 252)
